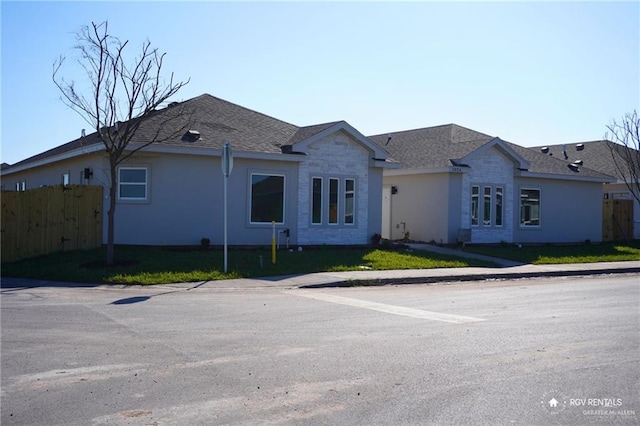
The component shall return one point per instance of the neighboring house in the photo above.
(459, 185)
(323, 183)
(597, 155)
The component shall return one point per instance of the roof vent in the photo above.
(172, 104)
(580, 147)
(544, 149)
(574, 167)
(191, 136)
(578, 162)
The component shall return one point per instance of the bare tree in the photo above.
(624, 145)
(122, 95)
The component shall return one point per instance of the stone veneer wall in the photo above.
(336, 155)
(493, 168)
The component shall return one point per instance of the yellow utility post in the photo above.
(273, 242)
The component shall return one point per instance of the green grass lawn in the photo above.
(557, 254)
(156, 265)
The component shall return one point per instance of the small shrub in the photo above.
(204, 243)
(375, 239)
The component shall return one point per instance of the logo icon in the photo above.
(553, 402)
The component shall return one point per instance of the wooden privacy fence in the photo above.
(617, 220)
(50, 219)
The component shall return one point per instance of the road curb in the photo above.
(473, 277)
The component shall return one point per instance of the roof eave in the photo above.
(216, 152)
(377, 152)
(375, 162)
(498, 143)
(423, 171)
(558, 176)
(53, 159)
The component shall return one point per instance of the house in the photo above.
(322, 183)
(459, 185)
(597, 155)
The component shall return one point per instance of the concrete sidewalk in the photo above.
(419, 276)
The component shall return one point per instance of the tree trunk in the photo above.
(111, 215)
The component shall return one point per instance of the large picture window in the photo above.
(267, 198)
(529, 207)
(132, 183)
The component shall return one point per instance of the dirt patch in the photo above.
(136, 413)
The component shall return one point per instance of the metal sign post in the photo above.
(227, 166)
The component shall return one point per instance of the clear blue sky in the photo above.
(532, 73)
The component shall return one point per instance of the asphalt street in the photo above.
(522, 352)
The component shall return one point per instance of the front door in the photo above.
(386, 211)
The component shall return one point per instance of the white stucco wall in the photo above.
(420, 207)
(340, 156)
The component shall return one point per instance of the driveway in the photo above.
(538, 351)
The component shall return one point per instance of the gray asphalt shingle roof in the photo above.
(431, 146)
(595, 155)
(437, 146)
(216, 120)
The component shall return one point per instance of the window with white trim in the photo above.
(21, 186)
(486, 205)
(267, 198)
(475, 205)
(316, 201)
(529, 207)
(490, 212)
(333, 201)
(349, 201)
(65, 179)
(132, 183)
(499, 205)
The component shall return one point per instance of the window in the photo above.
(21, 186)
(132, 183)
(491, 211)
(316, 203)
(486, 217)
(267, 198)
(498, 207)
(349, 198)
(65, 179)
(529, 207)
(475, 195)
(333, 201)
